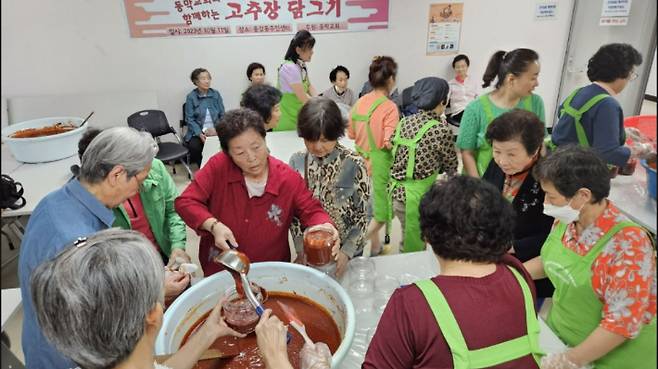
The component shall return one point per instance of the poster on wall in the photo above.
(444, 28)
(207, 18)
(615, 12)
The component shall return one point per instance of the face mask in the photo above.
(565, 214)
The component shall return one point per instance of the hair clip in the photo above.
(80, 242)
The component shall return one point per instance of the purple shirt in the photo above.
(289, 74)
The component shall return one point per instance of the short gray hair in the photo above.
(91, 300)
(125, 146)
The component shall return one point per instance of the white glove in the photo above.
(559, 360)
(316, 356)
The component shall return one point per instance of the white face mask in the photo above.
(565, 214)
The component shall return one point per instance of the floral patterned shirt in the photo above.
(341, 183)
(435, 152)
(623, 275)
(513, 184)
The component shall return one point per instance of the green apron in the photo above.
(576, 309)
(577, 115)
(414, 189)
(381, 161)
(462, 357)
(484, 152)
(290, 105)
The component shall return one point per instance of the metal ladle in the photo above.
(234, 260)
(238, 262)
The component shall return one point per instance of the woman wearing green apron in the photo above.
(293, 80)
(516, 74)
(602, 265)
(371, 125)
(591, 116)
(479, 311)
(422, 148)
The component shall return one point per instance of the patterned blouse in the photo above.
(340, 181)
(623, 275)
(435, 153)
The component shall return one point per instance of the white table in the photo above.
(11, 301)
(629, 194)
(281, 144)
(38, 180)
(9, 164)
(423, 265)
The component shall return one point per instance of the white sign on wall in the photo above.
(613, 21)
(546, 10)
(616, 8)
(615, 12)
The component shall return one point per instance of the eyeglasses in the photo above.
(632, 76)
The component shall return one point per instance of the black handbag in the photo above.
(12, 193)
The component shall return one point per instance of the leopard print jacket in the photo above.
(340, 181)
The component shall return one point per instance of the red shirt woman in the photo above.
(246, 198)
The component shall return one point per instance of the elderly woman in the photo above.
(335, 175)
(602, 265)
(422, 149)
(516, 138)
(371, 125)
(516, 75)
(591, 116)
(256, 73)
(151, 212)
(113, 167)
(243, 194)
(440, 322)
(264, 100)
(463, 89)
(100, 302)
(339, 92)
(203, 107)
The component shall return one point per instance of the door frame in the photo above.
(647, 60)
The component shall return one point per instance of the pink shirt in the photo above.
(259, 224)
(461, 94)
(382, 123)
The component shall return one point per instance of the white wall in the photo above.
(651, 85)
(83, 46)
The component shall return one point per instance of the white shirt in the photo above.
(208, 123)
(255, 189)
(462, 94)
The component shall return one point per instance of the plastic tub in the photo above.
(45, 148)
(646, 124)
(273, 276)
(651, 179)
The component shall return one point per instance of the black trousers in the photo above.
(195, 146)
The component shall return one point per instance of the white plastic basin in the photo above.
(45, 148)
(273, 276)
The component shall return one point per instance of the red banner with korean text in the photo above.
(170, 18)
